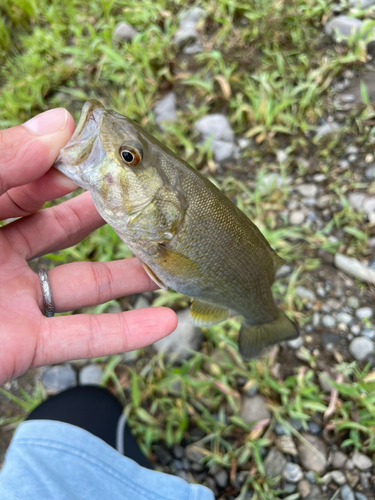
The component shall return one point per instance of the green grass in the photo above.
(267, 65)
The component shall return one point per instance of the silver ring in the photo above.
(49, 308)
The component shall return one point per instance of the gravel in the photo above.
(254, 409)
(58, 378)
(217, 128)
(346, 493)
(310, 459)
(341, 27)
(307, 190)
(364, 313)
(343, 317)
(353, 267)
(165, 110)
(274, 463)
(361, 348)
(292, 473)
(124, 32)
(361, 461)
(328, 321)
(90, 375)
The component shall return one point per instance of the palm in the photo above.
(27, 337)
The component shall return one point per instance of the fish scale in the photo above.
(187, 234)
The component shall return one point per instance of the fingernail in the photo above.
(48, 122)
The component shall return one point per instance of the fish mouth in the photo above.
(72, 158)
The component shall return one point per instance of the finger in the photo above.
(84, 284)
(28, 199)
(28, 151)
(92, 335)
(53, 228)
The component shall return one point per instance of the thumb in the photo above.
(28, 151)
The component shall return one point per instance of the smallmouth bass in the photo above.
(188, 235)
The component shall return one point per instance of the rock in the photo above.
(185, 338)
(360, 496)
(341, 461)
(223, 151)
(343, 317)
(141, 302)
(360, 201)
(364, 313)
(310, 459)
(341, 27)
(369, 333)
(352, 477)
(353, 267)
(314, 428)
(346, 493)
(90, 375)
(324, 381)
(328, 321)
(307, 190)
(194, 453)
(352, 302)
(292, 473)
(310, 476)
(326, 128)
(296, 343)
(370, 173)
(164, 457)
(324, 201)
(58, 378)
(361, 461)
(254, 409)
(286, 445)
(336, 476)
(296, 217)
(217, 128)
(186, 32)
(124, 32)
(309, 491)
(178, 451)
(221, 478)
(165, 110)
(304, 293)
(361, 4)
(284, 271)
(274, 463)
(361, 348)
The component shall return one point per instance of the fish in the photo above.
(187, 234)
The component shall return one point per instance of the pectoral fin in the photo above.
(153, 276)
(253, 340)
(204, 313)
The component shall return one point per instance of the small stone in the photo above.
(254, 409)
(296, 343)
(353, 267)
(281, 155)
(340, 460)
(216, 126)
(296, 217)
(328, 321)
(324, 201)
(324, 381)
(284, 271)
(292, 473)
(286, 445)
(194, 453)
(341, 27)
(346, 493)
(326, 128)
(178, 451)
(164, 457)
(361, 461)
(186, 32)
(304, 293)
(338, 477)
(355, 329)
(58, 378)
(124, 32)
(310, 459)
(223, 151)
(141, 302)
(165, 110)
(360, 496)
(343, 317)
(314, 428)
(280, 429)
(370, 173)
(361, 347)
(319, 177)
(274, 463)
(221, 478)
(364, 313)
(352, 477)
(182, 341)
(91, 375)
(352, 302)
(310, 476)
(307, 190)
(369, 333)
(296, 423)
(361, 4)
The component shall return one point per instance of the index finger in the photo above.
(27, 151)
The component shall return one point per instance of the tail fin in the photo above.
(253, 340)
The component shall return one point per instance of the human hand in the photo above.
(27, 338)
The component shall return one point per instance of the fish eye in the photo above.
(130, 155)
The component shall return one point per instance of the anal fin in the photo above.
(253, 340)
(203, 313)
(153, 276)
